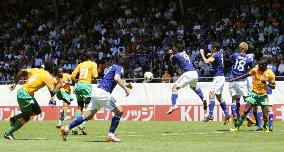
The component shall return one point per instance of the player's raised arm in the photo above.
(95, 71)
(21, 73)
(206, 60)
(271, 81)
(171, 55)
(75, 72)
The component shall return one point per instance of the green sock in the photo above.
(17, 125)
(62, 115)
(265, 121)
(243, 117)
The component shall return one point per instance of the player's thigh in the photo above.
(270, 102)
(233, 89)
(36, 108)
(262, 100)
(217, 85)
(251, 98)
(111, 104)
(181, 81)
(94, 105)
(83, 91)
(242, 88)
(191, 78)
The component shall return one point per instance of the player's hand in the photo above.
(201, 51)
(129, 85)
(265, 82)
(52, 102)
(13, 86)
(127, 91)
(170, 51)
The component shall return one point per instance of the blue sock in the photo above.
(259, 118)
(211, 107)
(234, 109)
(271, 118)
(249, 112)
(114, 123)
(238, 104)
(199, 93)
(224, 107)
(255, 116)
(174, 98)
(76, 122)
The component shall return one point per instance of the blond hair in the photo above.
(243, 45)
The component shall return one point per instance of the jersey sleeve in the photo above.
(271, 76)
(75, 72)
(49, 82)
(119, 70)
(95, 70)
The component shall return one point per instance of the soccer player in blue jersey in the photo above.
(102, 99)
(242, 63)
(189, 76)
(218, 82)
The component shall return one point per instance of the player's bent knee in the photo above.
(26, 116)
(36, 109)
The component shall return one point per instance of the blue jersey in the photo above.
(242, 63)
(218, 64)
(184, 61)
(273, 69)
(108, 83)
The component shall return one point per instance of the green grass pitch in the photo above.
(145, 136)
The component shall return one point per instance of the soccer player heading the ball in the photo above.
(189, 76)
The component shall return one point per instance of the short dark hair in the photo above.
(216, 45)
(179, 44)
(49, 66)
(263, 62)
(121, 59)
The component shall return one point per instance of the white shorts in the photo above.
(270, 102)
(218, 85)
(102, 99)
(249, 83)
(238, 88)
(189, 77)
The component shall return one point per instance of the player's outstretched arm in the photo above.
(55, 90)
(122, 84)
(240, 77)
(21, 73)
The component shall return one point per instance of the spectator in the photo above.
(281, 68)
(166, 77)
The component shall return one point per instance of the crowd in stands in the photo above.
(141, 29)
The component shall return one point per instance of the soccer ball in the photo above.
(148, 76)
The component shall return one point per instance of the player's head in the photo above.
(60, 72)
(178, 45)
(262, 64)
(88, 57)
(243, 47)
(49, 66)
(216, 47)
(122, 59)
